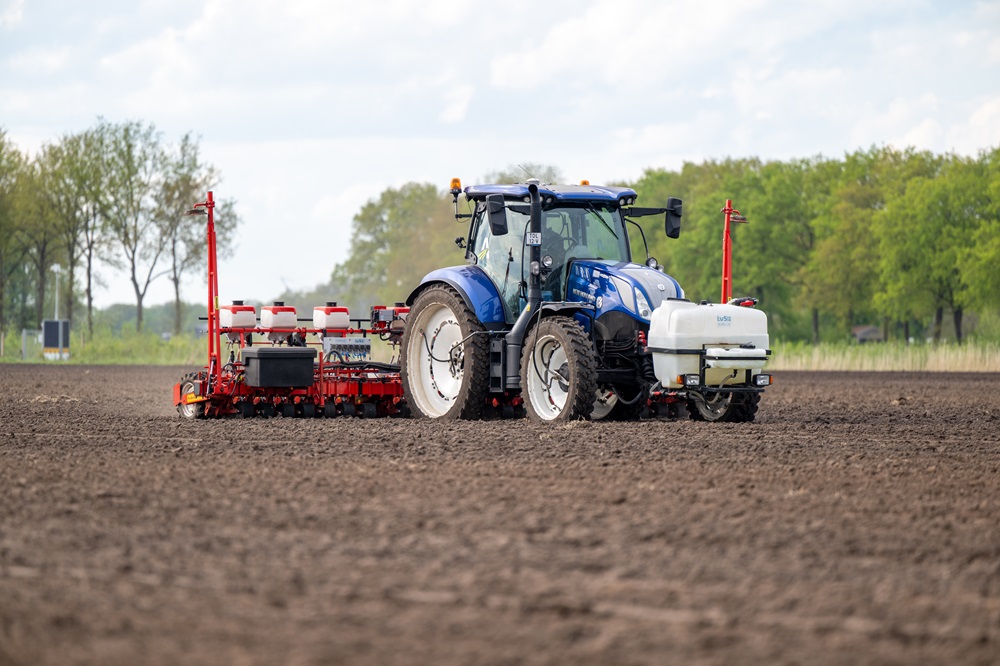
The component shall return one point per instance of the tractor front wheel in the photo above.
(444, 357)
(558, 371)
(724, 407)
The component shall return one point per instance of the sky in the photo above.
(311, 108)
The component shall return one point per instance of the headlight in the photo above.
(644, 310)
(762, 380)
(689, 380)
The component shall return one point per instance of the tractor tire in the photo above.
(444, 357)
(558, 371)
(725, 408)
(194, 410)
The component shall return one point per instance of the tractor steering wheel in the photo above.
(560, 243)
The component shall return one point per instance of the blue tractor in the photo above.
(551, 316)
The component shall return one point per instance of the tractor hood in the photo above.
(609, 285)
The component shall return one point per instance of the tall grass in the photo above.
(106, 348)
(972, 356)
(131, 348)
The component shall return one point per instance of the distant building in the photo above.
(863, 334)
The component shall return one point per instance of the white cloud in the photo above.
(980, 130)
(41, 62)
(993, 50)
(457, 103)
(11, 13)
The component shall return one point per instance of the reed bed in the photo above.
(972, 356)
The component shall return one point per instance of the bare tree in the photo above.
(94, 235)
(132, 163)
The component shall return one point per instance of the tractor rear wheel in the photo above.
(444, 357)
(558, 371)
(725, 407)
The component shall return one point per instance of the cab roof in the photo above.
(565, 193)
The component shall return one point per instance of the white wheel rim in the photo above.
(548, 378)
(436, 360)
(189, 408)
(603, 403)
(717, 404)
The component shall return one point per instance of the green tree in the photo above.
(12, 164)
(66, 172)
(38, 230)
(924, 231)
(397, 239)
(840, 274)
(981, 185)
(186, 180)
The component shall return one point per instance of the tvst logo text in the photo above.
(724, 320)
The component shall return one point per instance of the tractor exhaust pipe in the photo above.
(514, 340)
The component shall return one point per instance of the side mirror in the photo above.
(497, 213)
(672, 220)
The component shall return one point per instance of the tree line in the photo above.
(113, 195)
(894, 238)
(897, 239)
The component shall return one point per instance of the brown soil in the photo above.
(857, 521)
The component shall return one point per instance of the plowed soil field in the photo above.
(857, 521)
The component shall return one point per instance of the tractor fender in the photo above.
(583, 313)
(475, 288)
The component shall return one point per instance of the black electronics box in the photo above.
(279, 367)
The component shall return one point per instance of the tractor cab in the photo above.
(569, 232)
(578, 222)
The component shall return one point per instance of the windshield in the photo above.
(587, 231)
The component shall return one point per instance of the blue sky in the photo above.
(310, 108)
